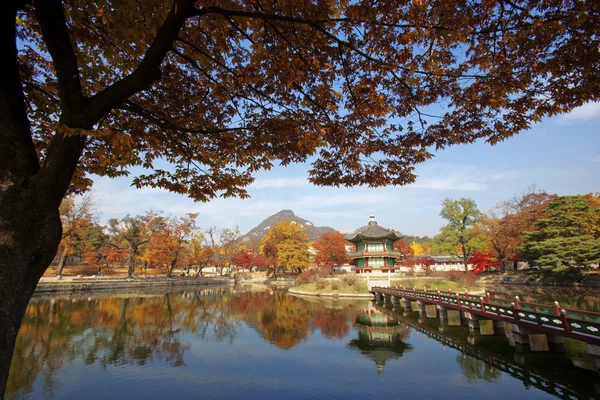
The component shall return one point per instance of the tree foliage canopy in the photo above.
(457, 235)
(204, 94)
(567, 234)
(286, 245)
(331, 250)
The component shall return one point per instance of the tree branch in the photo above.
(51, 16)
(148, 71)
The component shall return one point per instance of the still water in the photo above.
(260, 343)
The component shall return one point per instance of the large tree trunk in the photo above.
(63, 260)
(131, 261)
(30, 227)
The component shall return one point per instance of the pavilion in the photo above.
(373, 248)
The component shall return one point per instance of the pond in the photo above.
(261, 343)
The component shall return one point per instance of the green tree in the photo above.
(564, 235)
(222, 91)
(458, 234)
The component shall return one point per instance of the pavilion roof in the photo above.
(372, 231)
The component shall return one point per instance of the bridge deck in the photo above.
(551, 319)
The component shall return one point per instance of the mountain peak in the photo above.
(262, 229)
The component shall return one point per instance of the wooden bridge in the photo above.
(560, 383)
(530, 317)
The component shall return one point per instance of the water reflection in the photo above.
(380, 337)
(278, 345)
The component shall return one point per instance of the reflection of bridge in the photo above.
(560, 384)
(538, 318)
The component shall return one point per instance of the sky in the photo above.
(559, 155)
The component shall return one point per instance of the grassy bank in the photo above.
(338, 287)
(440, 284)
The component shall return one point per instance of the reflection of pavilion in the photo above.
(380, 337)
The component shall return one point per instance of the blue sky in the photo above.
(560, 155)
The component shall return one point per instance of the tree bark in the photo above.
(131, 261)
(63, 261)
(172, 267)
(30, 228)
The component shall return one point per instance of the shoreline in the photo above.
(86, 285)
(529, 279)
(332, 295)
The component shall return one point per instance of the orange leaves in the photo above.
(243, 88)
(331, 250)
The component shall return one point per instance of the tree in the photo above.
(228, 245)
(503, 228)
(417, 249)
(202, 248)
(242, 259)
(130, 233)
(76, 218)
(220, 92)
(405, 248)
(331, 250)
(461, 216)
(286, 245)
(565, 236)
(481, 262)
(170, 240)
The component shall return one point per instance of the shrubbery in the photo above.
(242, 276)
(311, 275)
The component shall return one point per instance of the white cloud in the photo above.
(458, 177)
(586, 112)
(596, 158)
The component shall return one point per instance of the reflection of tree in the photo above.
(124, 331)
(143, 329)
(333, 323)
(474, 369)
(284, 321)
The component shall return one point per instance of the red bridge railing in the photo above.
(570, 321)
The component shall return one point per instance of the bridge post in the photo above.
(526, 339)
(484, 325)
(594, 351)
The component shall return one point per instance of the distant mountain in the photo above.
(262, 229)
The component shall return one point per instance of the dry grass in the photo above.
(326, 287)
(431, 284)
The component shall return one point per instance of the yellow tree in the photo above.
(417, 249)
(286, 245)
(222, 90)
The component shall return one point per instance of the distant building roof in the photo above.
(371, 231)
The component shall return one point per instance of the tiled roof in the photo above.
(371, 232)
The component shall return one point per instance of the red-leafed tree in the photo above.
(404, 248)
(242, 259)
(331, 250)
(481, 262)
(260, 262)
